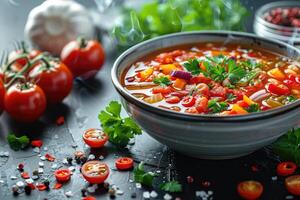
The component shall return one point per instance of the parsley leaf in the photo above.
(216, 72)
(119, 130)
(163, 81)
(192, 66)
(235, 73)
(216, 107)
(230, 97)
(250, 64)
(253, 108)
(248, 77)
(287, 146)
(143, 177)
(17, 143)
(172, 186)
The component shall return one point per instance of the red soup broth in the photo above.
(214, 79)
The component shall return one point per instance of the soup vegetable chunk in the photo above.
(214, 79)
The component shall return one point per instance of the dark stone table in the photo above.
(81, 109)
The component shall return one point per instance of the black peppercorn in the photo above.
(83, 192)
(133, 195)
(83, 159)
(35, 173)
(27, 189)
(70, 160)
(106, 186)
(112, 193)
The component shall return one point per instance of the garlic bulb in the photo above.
(54, 23)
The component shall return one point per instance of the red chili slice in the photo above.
(88, 198)
(37, 143)
(173, 100)
(62, 175)
(188, 101)
(41, 187)
(57, 186)
(60, 120)
(49, 157)
(124, 163)
(279, 89)
(286, 168)
(25, 175)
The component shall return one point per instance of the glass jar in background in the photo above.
(264, 28)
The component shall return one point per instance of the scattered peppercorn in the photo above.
(83, 192)
(21, 167)
(133, 195)
(112, 193)
(70, 160)
(27, 189)
(35, 173)
(190, 179)
(83, 159)
(15, 190)
(106, 186)
(46, 183)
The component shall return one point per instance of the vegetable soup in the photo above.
(214, 79)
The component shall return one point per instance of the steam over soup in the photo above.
(214, 79)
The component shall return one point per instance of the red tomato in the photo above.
(191, 110)
(202, 104)
(124, 163)
(95, 172)
(279, 89)
(292, 84)
(62, 175)
(202, 89)
(163, 90)
(180, 94)
(173, 100)
(56, 80)
(83, 58)
(199, 79)
(95, 138)
(164, 58)
(25, 102)
(2, 95)
(188, 101)
(292, 184)
(286, 168)
(23, 61)
(250, 190)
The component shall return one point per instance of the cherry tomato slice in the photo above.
(95, 172)
(124, 163)
(292, 184)
(173, 100)
(279, 89)
(202, 104)
(250, 190)
(188, 101)
(163, 90)
(62, 175)
(95, 138)
(286, 168)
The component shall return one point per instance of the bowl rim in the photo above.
(198, 117)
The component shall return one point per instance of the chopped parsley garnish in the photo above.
(291, 98)
(143, 177)
(17, 143)
(287, 146)
(253, 108)
(230, 97)
(250, 64)
(215, 107)
(248, 77)
(163, 81)
(192, 66)
(119, 130)
(172, 186)
(235, 72)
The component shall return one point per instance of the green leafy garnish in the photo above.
(17, 143)
(192, 66)
(250, 64)
(163, 81)
(248, 77)
(172, 186)
(215, 107)
(143, 177)
(253, 108)
(287, 146)
(230, 97)
(119, 130)
(291, 99)
(235, 72)
(156, 18)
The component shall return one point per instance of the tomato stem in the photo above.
(82, 42)
(23, 46)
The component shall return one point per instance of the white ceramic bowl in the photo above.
(206, 136)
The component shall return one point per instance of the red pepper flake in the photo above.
(57, 186)
(36, 143)
(60, 120)
(49, 157)
(88, 198)
(31, 185)
(190, 179)
(41, 187)
(255, 168)
(21, 166)
(25, 175)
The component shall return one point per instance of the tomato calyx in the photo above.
(82, 42)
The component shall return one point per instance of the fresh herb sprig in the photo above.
(287, 146)
(192, 66)
(162, 81)
(216, 107)
(172, 186)
(253, 108)
(143, 177)
(120, 130)
(17, 143)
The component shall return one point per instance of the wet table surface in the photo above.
(81, 109)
